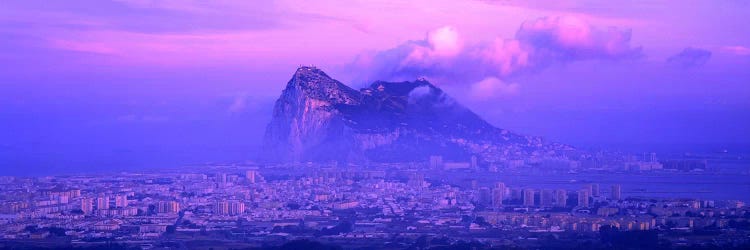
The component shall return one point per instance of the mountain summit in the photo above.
(317, 118)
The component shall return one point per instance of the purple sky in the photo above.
(91, 83)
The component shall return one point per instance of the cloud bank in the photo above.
(570, 39)
(487, 67)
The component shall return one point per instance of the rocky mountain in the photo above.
(317, 118)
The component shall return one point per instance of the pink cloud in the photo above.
(538, 43)
(184, 49)
(444, 41)
(439, 48)
(736, 50)
(567, 31)
(508, 55)
(573, 37)
(91, 47)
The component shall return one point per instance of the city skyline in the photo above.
(420, 125)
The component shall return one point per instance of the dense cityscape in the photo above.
(378, 124)
(399, 206)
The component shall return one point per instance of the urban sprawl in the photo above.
(395, 205)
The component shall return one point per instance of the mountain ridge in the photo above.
(318, 118)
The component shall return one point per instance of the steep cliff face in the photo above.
(320, 119)
(307, 123)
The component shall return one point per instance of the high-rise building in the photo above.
(416, 179)
(236, 208)
(561, 198)
(250, 176)
(583, 198)
(168, 207)
(528, 197)
(546, 198)
(498, 194)
(102, 203)
(221, 208)
(595, 190)
(484, 196)
(516, 193)
(436, 162)
(121, 200)
(229, 208)
(616, 192)
(474, 162)
(87, 205)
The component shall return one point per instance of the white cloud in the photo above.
(438, 49)
(492, 87)
(445, 41)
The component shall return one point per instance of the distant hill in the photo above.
(317, 118)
